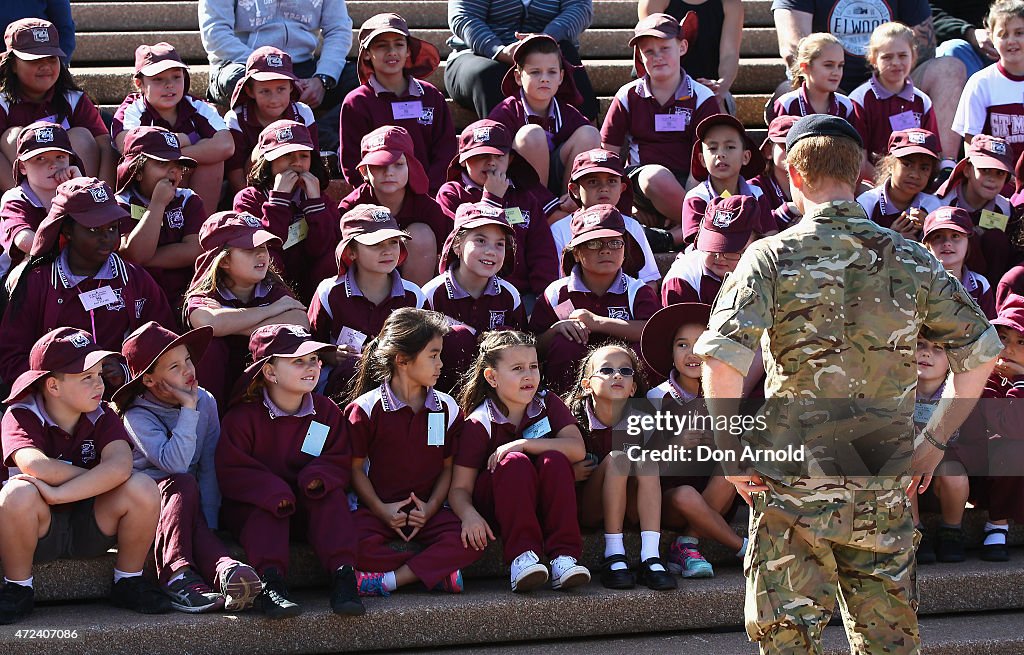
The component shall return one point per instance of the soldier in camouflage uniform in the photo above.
(842, 301)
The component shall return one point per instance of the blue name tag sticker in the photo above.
(316, 437)
(538, 429)
(435, 429)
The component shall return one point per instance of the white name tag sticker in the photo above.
(316, 437)
(514, 215)
(905, 121)
(403, 110)
(670, 122)
(97, 298)
(991, 220)
(352, 338)
(538, 429)
(435, 429)
(297, 233)
(564, 309)
(923, 412)
(138, 211)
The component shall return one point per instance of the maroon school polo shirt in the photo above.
(260, 459)
(655, 133)
(371, 106)
(669, 389)
(196, 118)
(397, 444)
(18, 112)
(628, 299)
(51, 300)
(339, 303)
(979, 288)
(416, 208)
(773, 193)
(697, 199)
(1011, 284)
(27, 425)
(263, 295)
(536, 263)
(989, 253)
(560, 123)
(795, 103)
(688, 280)
(20, 209)
(879, 206)
(487, 428)
(245, 130)
(183, 217)
(878, 112)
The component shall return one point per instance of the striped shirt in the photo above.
(486, 26)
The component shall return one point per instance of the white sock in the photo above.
(390, 583)
(997, 537)
(22, 583)
(613, 546)
(119, 574)
(742, 552)
(650, 545)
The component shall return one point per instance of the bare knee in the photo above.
(655, 179)
(684, 499)
(531, 136)
(585, 138)
(423, 239)
(139, 492)
(19, 502)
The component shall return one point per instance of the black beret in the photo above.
(821, 125)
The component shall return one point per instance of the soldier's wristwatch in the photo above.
(326, 80)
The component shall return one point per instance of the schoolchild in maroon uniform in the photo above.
(163, 234)
(652, 121)
(817, 72)
(595, 301)
(696, 505)
(235, 290)
(487, 169)
(286, 185)
(946, 234)
(36, 86)
(174, 425)
(723, 159)
(728, 227)
(83, 283)
(404, 433)
(73, 481)
(395, 179)
(774, 181)
(976, 185)
(284, 464)
(898, 201)
(615, 489)
(163, 100)
(392, 68)
(540, 110)
(514, 466)
(45, 159)
(469, 290)
(266, 93)
(889, 102)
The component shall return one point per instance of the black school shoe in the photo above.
(617, 579)
(949, 544)
(344, 594)
(655, 580)
(139, 595)
(273, 601)
(16, 603)
(995, 552)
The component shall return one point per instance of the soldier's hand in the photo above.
(746, 485)
(922, 466)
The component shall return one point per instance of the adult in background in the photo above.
(57, 12)
(232, 29)
(485, 33)
(852, 21)
(842, 301)
(960, 32)
(714, 58)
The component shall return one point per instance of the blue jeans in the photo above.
(965, 52)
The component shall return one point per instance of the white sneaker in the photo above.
(527, 572)
(566, 573)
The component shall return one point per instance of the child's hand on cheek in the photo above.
(285, 182)
(496, 184)
(113, 373)
(1009, 369)
(65, 174)
(310, 184)
(187, 397)
(163, 193)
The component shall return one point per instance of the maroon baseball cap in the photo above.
(656, 340)
(369, 225)
(263, 65)
(914, 141)
(477, 214)
(597, 160)
(567, 91)
(487, 137)
(750, 170)
(1011, 314)
(40, 137)
(87, 200)
(282, 137)
(984, 151)
(385, 145)
(423, 56)
(277, 340)
(948, 218)
(32, 38)
(152, 142)
(234, 229)
(598, 222)
(63, 350)
(156, 58)
(778, 129)
(727, 224)
(663, 26)
(143, 347)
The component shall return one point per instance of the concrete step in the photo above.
(412, 619)
(110, 45)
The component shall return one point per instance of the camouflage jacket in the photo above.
(841, 302)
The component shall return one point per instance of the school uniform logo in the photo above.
(497, 318)
(375, 143)
(99, 195)
(723, 218)
(88, 452)
(598, 157)
(590, 219)
(284, 134)
(250, 220)
(298, 332)
(79, 340)
(426, 116)
(274, 61)
(685, 112)
(621, 313)
(139, 304)
(380, 215)
(44, 135)
(171, 140)
(481, 134)
(40, 35)
(175, 219)
(997, 147)
(916, 137)
(118, 304)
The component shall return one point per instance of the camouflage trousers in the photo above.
(807, 546)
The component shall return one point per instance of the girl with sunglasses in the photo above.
(596, 301)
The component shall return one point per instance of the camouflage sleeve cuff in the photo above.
(724, 349)
(984, 349)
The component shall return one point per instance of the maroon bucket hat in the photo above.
(984, 151)
(1011, 314)
(663, 26)
(40, 137)
(656, 340)
(64, 350)
(143, 347)
(369, 225)
(32, 38)
(778, 130)
(87, 200)
(478, 214)
(423, 56)
(749, 171)
(264, 64)
(152, 142)
(727, 224)
(386, 145)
